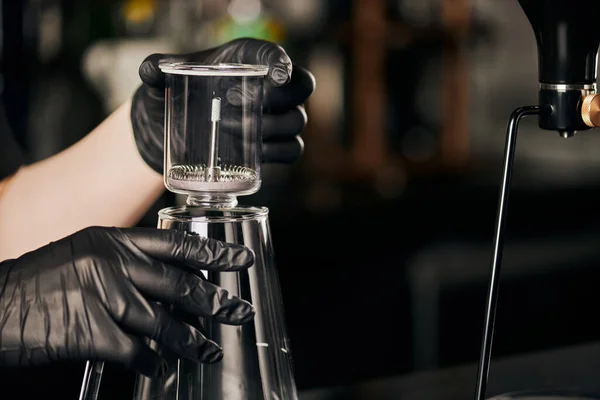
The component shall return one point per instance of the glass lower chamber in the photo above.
(256, 362)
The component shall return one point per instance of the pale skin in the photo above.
(100, 180)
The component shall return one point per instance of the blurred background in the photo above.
(383, 231)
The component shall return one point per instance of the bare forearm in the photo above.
(101, 180)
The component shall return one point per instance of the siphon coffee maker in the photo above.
(213, 155)
(567, 44)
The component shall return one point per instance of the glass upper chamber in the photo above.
(213, 142)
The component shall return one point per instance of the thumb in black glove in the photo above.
(286, 88)
(94, 296)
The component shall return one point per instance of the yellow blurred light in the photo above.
(138, 11)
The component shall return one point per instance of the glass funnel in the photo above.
(213, 129)
(256, 362)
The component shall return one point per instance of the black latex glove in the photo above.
(286, 88)
(93, 296)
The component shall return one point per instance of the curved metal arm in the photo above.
(492, 296)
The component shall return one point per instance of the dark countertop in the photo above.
(577, 366)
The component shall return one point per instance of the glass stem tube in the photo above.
(213, 171)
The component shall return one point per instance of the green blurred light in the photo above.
(261, 28)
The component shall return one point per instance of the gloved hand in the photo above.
(286, 88)
(93, 296)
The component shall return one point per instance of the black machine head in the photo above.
(567, 39)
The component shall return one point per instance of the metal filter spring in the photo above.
(197, 173)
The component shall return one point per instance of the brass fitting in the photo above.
(590, 110)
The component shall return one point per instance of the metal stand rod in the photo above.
(91, 380)
(492, 296)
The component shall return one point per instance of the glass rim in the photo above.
(222, 69)
(182, 213)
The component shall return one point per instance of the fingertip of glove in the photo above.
(312, 78)
(210, 353)
(242, 258)
(236, 311)
(286, 152)
(238, 257)
(224, 256)
(149, 71)
(248, 311)
(280, 73)
(280, 67)
(248, 257)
